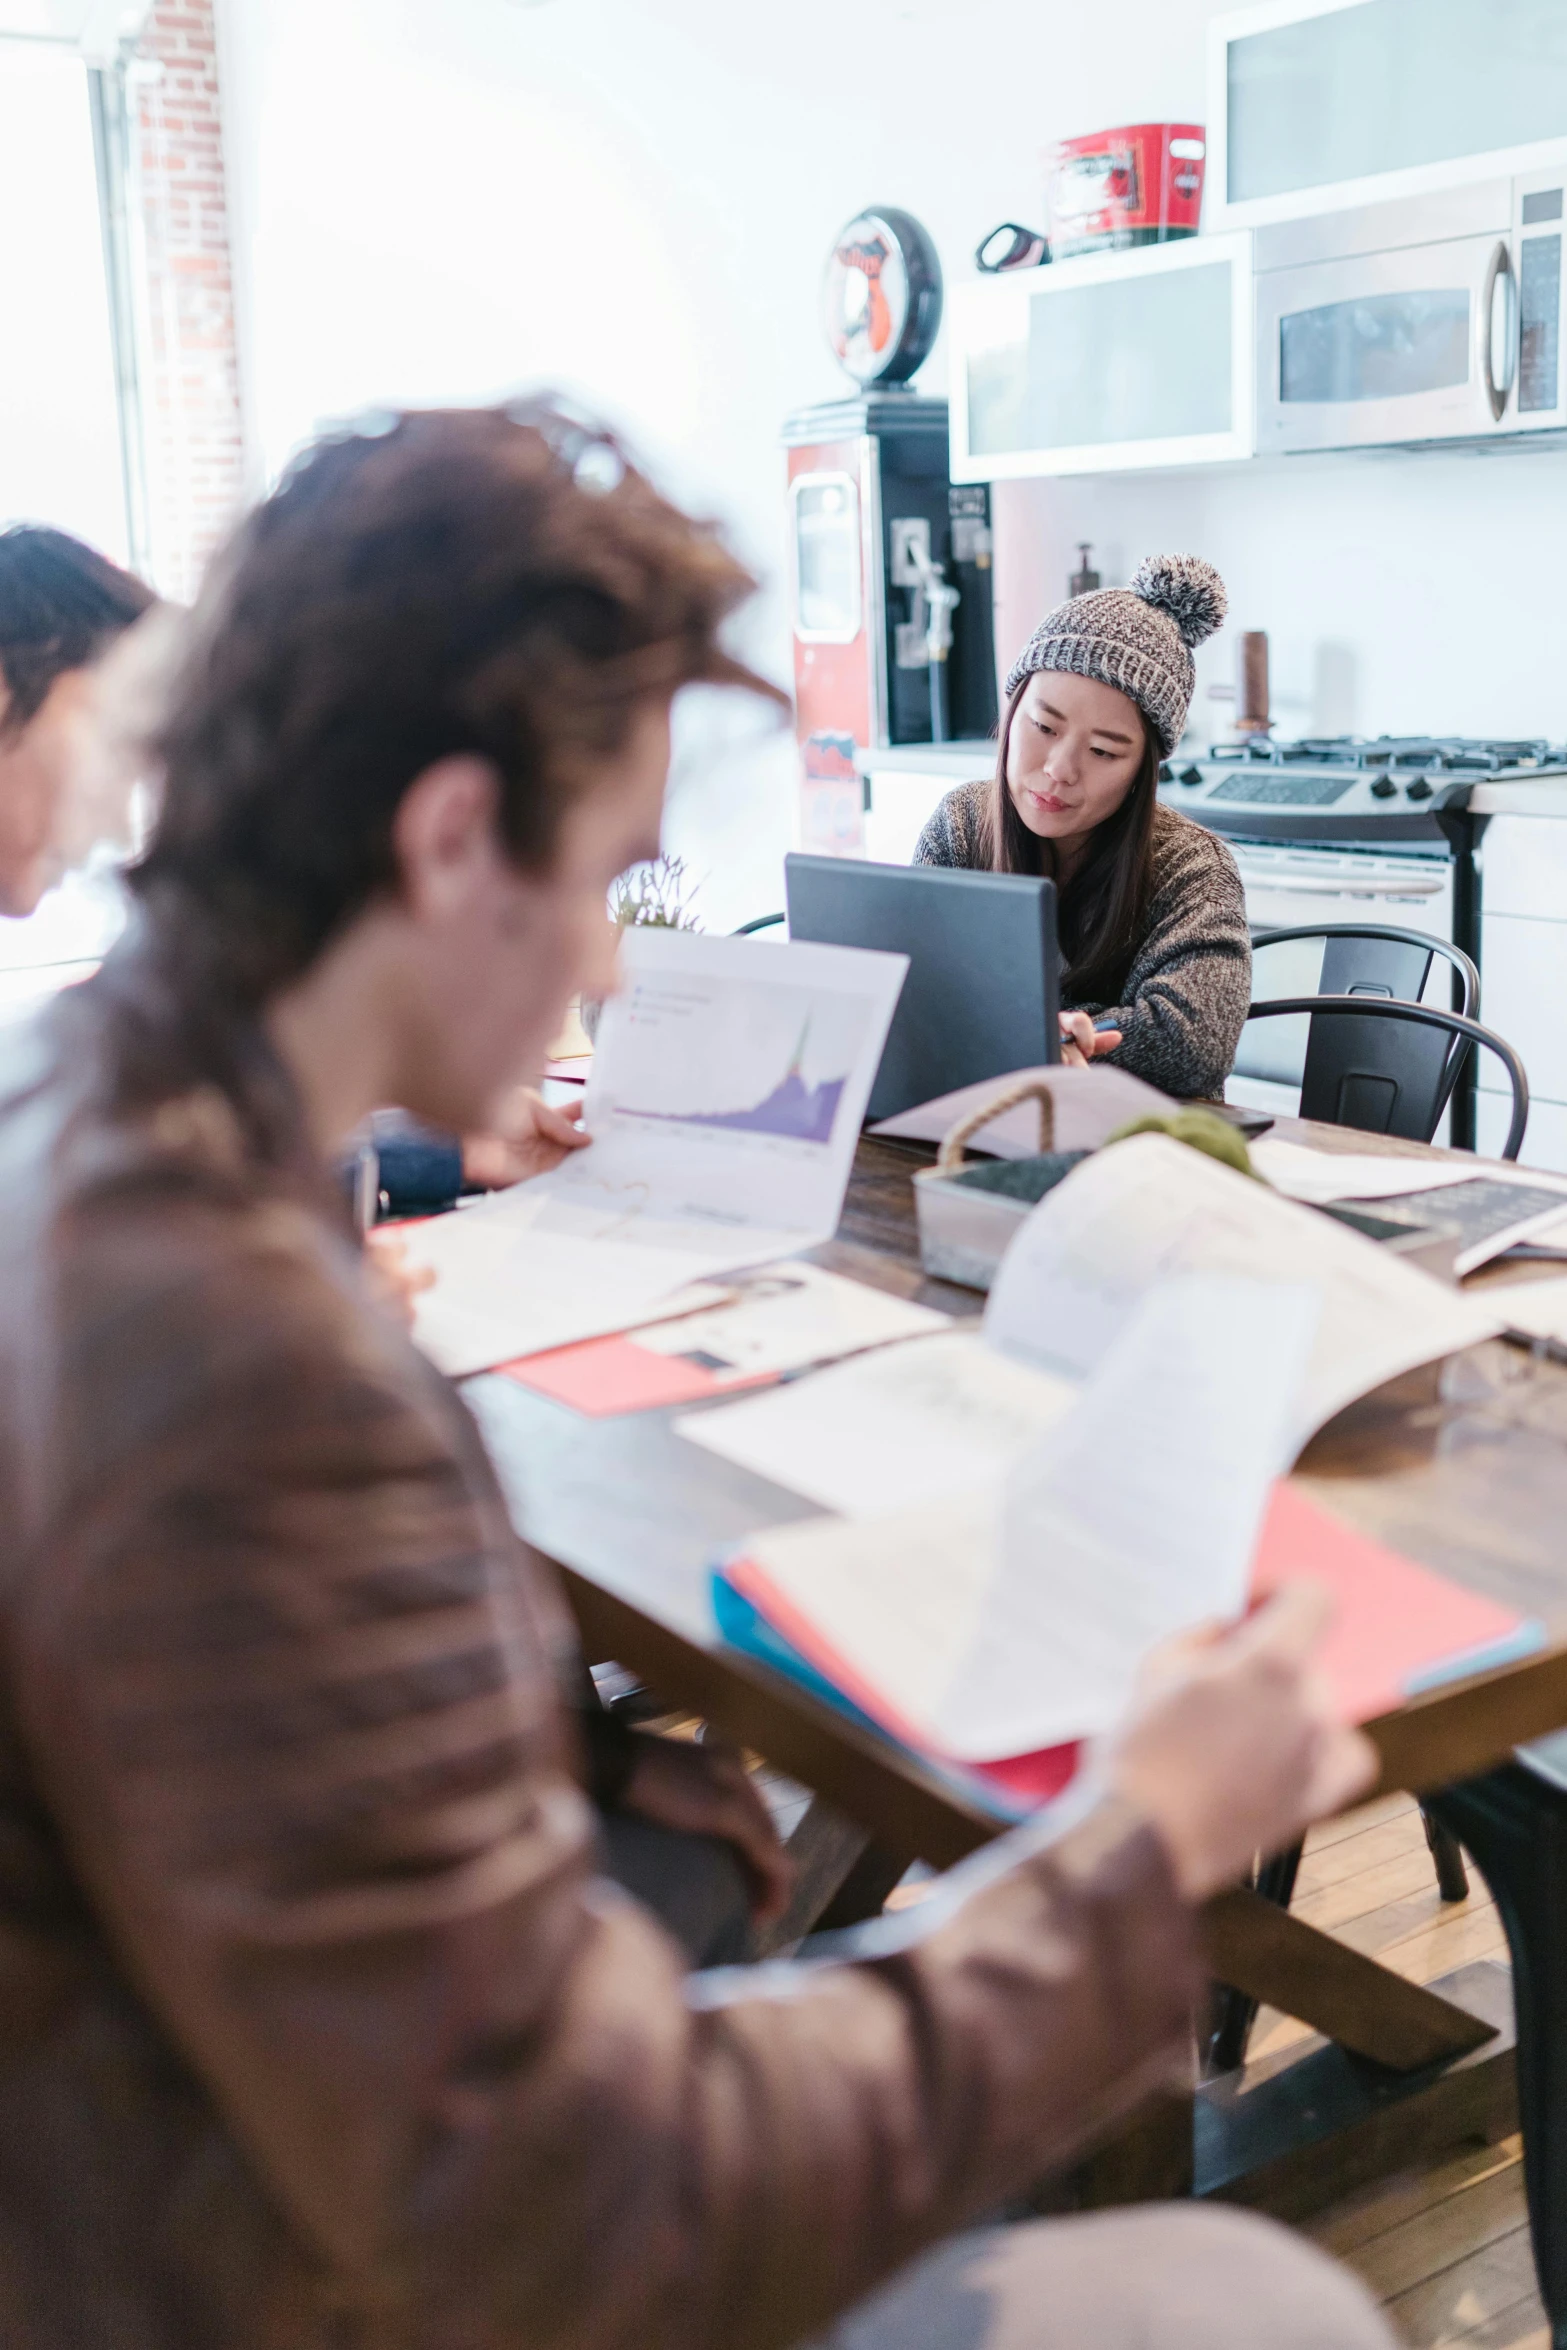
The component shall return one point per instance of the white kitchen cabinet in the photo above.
(904, 788)
(1314, 104)
(1524, 861)
(1523, 961)
(1545, 1137)
(1523, 976)
(1523, 996)
(1106, 362)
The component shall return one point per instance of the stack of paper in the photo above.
(763, 1327)
(1028, 1514)
(1013, 1619)
(1491, 1207)
(937, 1417)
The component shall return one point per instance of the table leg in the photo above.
(824, 1850)
(1232, 2013)
(1513, 1823)
(1149, 2159)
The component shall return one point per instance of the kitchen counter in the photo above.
(904, 786)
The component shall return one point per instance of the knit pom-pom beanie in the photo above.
(1137, 639)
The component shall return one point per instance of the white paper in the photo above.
(1550, 1238)
(1324, 1177)
(1538, 1308)
(1089, 1105)
(1015, 1618)
(1139, 1514)
(787, 1316)
(911, 1423)
(1151, 1208)
(729, 1084)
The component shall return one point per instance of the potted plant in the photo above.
(657, 896)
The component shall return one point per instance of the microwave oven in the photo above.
(1432, 318)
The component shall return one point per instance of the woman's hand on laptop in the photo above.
(1082, 1042)
(531, 1137)
(1233, 1746)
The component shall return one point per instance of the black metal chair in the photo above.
(760, 922)
(1397, 1080)
(1368, 1082)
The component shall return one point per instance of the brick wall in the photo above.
(190, 374)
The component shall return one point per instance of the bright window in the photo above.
(59, 425)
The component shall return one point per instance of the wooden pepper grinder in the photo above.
(1085, 578)
(1251, 683)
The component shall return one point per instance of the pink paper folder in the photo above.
(603, 1376)
(1398, 1627)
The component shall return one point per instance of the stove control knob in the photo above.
(1420, 789)
(1383, 788)
(1191, 777)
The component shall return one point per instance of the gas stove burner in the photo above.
(1443, 754)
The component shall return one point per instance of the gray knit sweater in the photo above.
(1188, 980)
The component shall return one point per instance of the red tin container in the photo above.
(1139, 185)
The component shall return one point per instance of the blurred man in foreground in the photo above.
(321, 2027)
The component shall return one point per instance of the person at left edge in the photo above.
(62, 606)
(63, 609)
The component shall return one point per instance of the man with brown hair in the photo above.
(319, 2027)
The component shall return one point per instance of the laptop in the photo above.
(982, 997)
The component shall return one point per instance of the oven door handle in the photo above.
(1322, 885)
(1498, 381)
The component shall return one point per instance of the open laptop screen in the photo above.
(983, 992)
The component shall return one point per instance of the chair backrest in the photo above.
(1383, 1077)
(1369, 1105)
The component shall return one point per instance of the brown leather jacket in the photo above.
(316, 2028)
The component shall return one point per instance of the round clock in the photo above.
(881, 300)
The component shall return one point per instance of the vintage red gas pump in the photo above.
(890, 561)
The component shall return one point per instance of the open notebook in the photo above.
(1398, 1628)
(999, 1628)
(938, 1416)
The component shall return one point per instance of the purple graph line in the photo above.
(795, 1111)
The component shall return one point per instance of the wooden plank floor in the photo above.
(1446, 2250)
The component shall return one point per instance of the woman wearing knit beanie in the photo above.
(1152, 917)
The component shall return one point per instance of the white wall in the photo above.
(447, 198)
(1401, 593)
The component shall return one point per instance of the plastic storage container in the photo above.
(1137, 185)
(968, 1215)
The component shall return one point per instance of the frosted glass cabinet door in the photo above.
(1314, 103)
(1140, 358)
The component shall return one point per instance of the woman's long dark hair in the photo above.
(1100, 912)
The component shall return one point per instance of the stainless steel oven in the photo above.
(1434, 318)
(1293, 885)
(1345, 830)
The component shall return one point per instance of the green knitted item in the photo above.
(1202, 1130)
(1026, 1179)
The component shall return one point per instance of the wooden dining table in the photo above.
(1462, 1466)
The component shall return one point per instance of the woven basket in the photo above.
(965, 1228)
